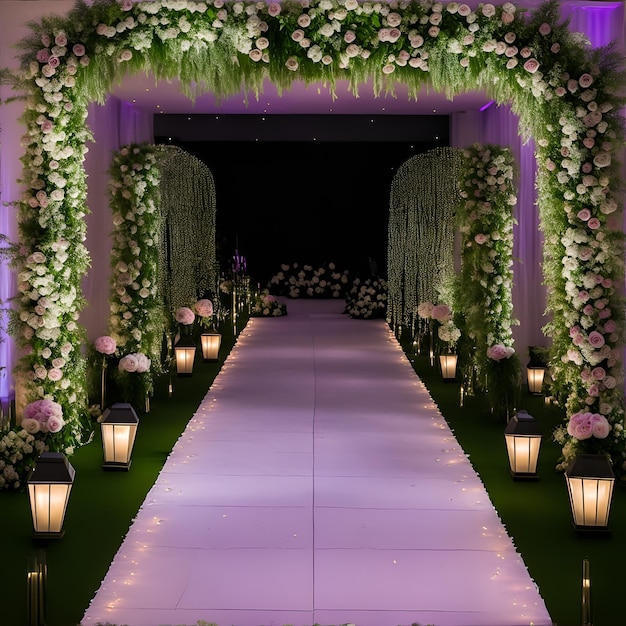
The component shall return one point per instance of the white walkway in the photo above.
(317, 484)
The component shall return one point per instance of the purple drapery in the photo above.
(113, 125)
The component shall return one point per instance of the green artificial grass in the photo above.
(103, 504)
(537, 514)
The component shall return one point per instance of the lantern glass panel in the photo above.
(184, 359)
(523, 453)
(535, 377)
(210, 346)
(48, 504)
(448, 365)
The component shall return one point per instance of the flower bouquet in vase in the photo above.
(502, 380)
(135, 380)
(106, 346)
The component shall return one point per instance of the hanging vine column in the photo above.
(420, 247)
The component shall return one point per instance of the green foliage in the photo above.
(484, 295)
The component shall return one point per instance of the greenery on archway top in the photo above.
(566, 95)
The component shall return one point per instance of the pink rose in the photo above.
(585, 80)
(545, 29)
(596, 339)
(273, 9)
(204, 308)
(600, 427)
(128, 363)
(594, 223)
(55, 374)
(441, 313)
(610, 382)
(584, 214)
(143, 363)
(30, 425)
(480, 238)
(610, 326)
(61, 39)
(54, 424)
(78, 49)
(499, 352)
(184, 315)
(105, 345)
(580, 426)
(43, 55)
(594, 391)
(531, 65)
(127, 5)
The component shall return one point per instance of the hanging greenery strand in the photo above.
(420, 247)
(188, 259)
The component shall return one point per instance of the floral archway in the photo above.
(565, 95)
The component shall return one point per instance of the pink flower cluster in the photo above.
(105, 345)
(442, 313)
(204, 308)
(134, 362)
(43, 416)
(499, 351)
(587, 425)
(185, 316)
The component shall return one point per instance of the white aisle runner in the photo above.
(317, 484)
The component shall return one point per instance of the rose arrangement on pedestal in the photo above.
(106, 346)
(204, 310)
(185, 317)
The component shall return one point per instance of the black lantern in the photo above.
(590, 482)
(523, 439)
(119, 427)
(49, 486)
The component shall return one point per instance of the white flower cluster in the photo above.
(486, 224)
(367, 299)
(18, 452)
(134, 287)
(297, 281)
